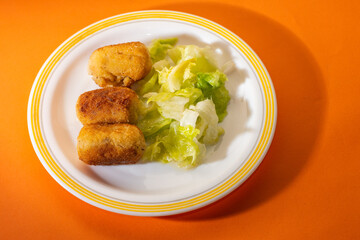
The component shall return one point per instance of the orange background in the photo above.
(308, 186)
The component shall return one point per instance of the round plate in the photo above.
(151, 189)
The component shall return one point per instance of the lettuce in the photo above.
(210, 79)
(150, 83)
(183, 100)
(203, 56)
(152, 123)
(177, 144)
(212, 85)
(159, 47)
(221, 98)
(208, 122)
(173, 107)
(160, 65)
(189, 118)
(173, 78)
(192, 94)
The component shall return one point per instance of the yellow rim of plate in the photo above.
(229, 184)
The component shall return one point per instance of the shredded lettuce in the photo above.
(183, 100)
(152, 123)
(150, 83)
(208, 122)
(212, 85)
(189, 118)
(159, 47)
(177, 144)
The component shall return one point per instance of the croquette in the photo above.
(108, 105)
(120, 64)
(110, 144)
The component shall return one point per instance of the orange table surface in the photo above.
(307, 187)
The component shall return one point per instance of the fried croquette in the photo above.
(120, 64)
(108, 105)
(110, 144)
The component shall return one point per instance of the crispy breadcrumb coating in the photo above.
(110, 144)
(108, 105)
(120, 64)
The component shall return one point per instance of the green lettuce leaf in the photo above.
(172, 78)
(177, 144)
(150, 83)
(170, 105)
(159, 48)
(212, 85)
(220, 96)
(152, 123)
(191, 93)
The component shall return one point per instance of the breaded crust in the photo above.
(108, 105)
(110, 144)
(120, 64)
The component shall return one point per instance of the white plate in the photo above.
(151, 189)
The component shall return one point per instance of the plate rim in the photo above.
(229, 184)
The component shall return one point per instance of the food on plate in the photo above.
(183, 100)
(108, 136)
(108, 105)
(110, 144)
(120, 64)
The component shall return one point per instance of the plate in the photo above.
(151, 189)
